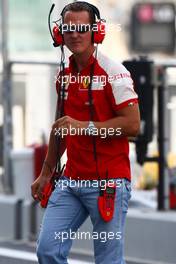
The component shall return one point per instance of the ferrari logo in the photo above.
(85, 82)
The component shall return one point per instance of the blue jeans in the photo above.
(68, 207)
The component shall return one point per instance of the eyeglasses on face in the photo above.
(80, 28)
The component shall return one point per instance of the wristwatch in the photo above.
(91, 129)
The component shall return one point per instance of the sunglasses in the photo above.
(81, 28)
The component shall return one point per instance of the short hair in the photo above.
(80, 6)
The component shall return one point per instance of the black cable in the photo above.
(49, 21)
(60, 104)
(62, 83)
(92, 111)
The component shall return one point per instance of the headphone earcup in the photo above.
(99, 33)
(58, 38)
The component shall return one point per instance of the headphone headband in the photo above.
(94, 8)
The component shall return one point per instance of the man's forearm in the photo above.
(119, 125)
(53, 153)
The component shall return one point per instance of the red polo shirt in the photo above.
(112, 89)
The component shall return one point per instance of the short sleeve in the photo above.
(122, 88)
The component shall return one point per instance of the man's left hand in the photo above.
(63, 125)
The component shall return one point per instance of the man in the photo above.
(91, 156)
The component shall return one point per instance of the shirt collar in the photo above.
(72, 64)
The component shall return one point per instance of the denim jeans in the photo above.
(68, 207)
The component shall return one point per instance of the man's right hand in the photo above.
(38, 185)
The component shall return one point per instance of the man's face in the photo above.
(77, 42)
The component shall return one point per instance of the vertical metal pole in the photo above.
(7, 102)
(163, 184)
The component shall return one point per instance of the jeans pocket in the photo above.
(53, 196)
(128, 187)
(126, 195)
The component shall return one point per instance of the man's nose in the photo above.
(74, 34)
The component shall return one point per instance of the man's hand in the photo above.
(66, 124)
(38, 186)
